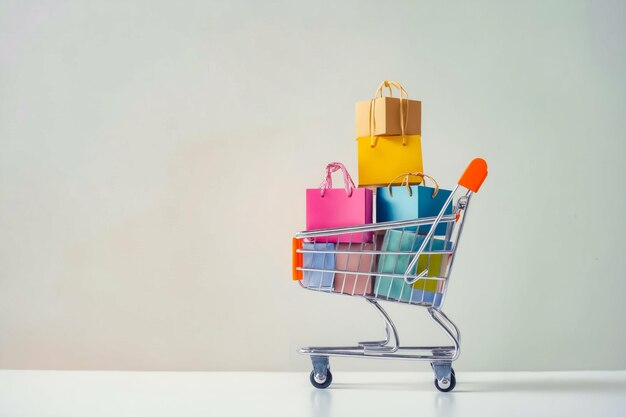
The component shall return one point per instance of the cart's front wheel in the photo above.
(321, 381)
(446, 385)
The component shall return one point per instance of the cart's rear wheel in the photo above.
(321, 381)
(446, 385)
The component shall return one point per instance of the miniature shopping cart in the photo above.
(407, 262)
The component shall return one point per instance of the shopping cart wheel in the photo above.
(321, 381)
(446, 385)
(320, 376)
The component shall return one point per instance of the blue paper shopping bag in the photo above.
(395, 287)
(407, 202)
(426, 297)
(318, 279)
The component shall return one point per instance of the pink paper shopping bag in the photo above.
(354, 261)
(328, 207)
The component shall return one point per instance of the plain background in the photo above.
(154, 157)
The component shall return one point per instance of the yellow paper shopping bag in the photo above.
(389, 137)
(389, 157)
(437, 266)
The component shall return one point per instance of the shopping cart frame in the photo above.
(440, 357)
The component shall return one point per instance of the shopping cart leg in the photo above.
(390, 329)
(449, 328)
(320, 375)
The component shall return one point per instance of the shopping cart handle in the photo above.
(474, 175)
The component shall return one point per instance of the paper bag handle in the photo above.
(389, 84)
(328, 181)
(405, 181)
(403, 118)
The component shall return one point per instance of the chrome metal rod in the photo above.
(376, 274)
(452, 325)
(373, 227)
(449, 328)
(466, 203)
(440, 353)
(388, 326)
(375, 252)
(430, 234)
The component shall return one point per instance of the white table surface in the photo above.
(82, 393)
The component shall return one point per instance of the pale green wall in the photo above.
(154, 156)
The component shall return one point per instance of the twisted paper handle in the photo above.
(405, 181)
(328, 181)
(403, 118)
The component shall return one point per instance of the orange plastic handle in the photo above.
(474, 175)
(296, 259)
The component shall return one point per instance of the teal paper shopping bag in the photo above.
(395, 287)
(406, 202)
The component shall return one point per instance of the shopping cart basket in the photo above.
(407, 262)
